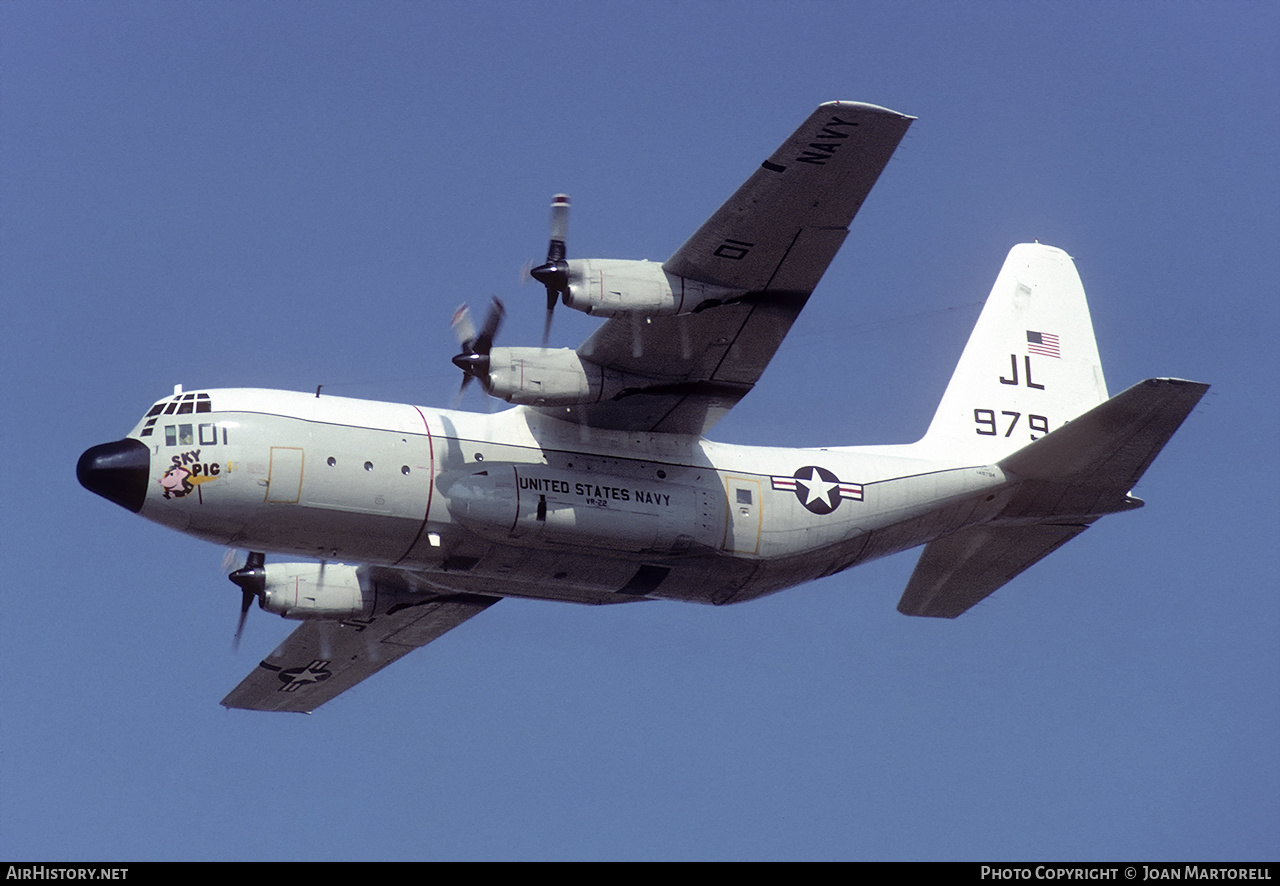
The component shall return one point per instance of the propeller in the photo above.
(555, 273)
(252, 581)
(474, 357)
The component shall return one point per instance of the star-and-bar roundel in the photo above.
(295, 678)
(818, 489)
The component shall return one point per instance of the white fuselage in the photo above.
(519, 504)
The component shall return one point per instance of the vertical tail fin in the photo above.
(1030, 366)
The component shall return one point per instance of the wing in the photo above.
(772, 241)
(322, 659)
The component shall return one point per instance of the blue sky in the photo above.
(284, 195)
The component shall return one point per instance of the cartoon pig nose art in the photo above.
(117, 471)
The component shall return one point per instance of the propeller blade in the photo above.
(463, 329)
(554, 274)
(466, 379)
(246, 600)
(252, 581)
(559, 227)
(492, 323)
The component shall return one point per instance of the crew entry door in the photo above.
(284, 480)
(742, 525)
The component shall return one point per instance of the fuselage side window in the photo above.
(188, 435)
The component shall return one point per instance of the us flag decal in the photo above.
(1043, 343)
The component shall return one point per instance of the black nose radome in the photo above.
(117, 471)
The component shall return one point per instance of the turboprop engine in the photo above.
(307, 590)
(615, 287)
(531, 376)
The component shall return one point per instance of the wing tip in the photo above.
(1168, 381)
(923, 611)
(866, 108)
(233, 706)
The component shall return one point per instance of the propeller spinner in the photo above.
(555, 273)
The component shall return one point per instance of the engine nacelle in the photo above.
(609, 287)
(318, 590)
(542, 377)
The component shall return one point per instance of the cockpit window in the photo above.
(178, 435)
(181, 404)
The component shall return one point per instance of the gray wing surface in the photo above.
(322, 659)
(773, 240)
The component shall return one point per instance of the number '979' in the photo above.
(989, 426)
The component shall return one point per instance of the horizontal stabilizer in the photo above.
(961, 569)
(1109, 447)
(1066, 480)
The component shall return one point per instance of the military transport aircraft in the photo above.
(599, 486)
